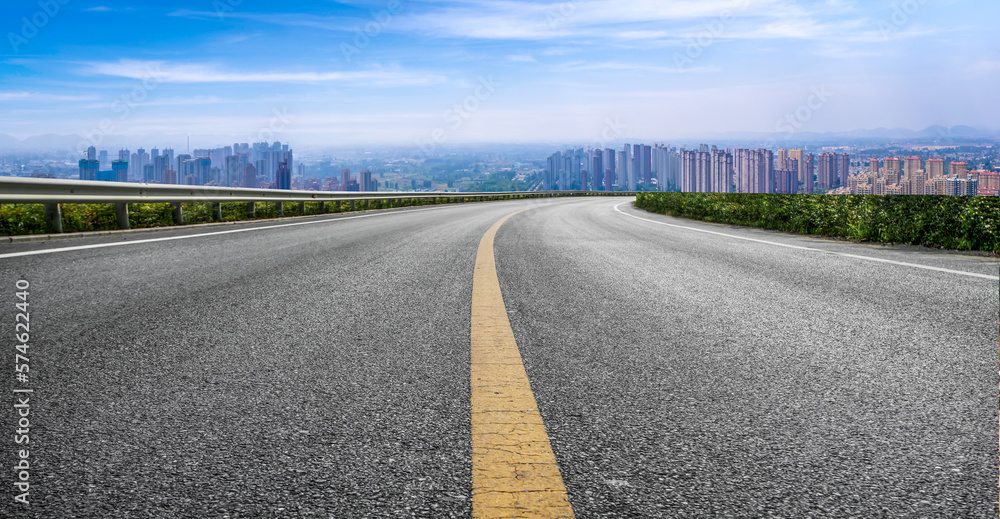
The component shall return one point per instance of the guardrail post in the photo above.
(217, 211)
(279, 207)
(121, 211)
(322, 208)
(178, 213)
(302, 208)
(53, 218)
(354, 205)
(366, 204)
(251, 209)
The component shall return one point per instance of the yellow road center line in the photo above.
(514, 472)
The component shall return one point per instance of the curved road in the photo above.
(322, 369)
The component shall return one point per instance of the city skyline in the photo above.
(443, 73)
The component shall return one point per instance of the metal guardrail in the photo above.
(52, 192)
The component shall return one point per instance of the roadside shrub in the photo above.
(951, 222)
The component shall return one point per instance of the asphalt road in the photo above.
(322, 369)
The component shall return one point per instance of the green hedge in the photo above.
(951, 222)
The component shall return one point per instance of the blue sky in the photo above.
(568, 71)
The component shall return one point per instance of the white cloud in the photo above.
(521, 58)
(38, 97)
(638, 67)
(160, 71)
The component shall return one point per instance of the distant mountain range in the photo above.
(72, 145)
(932, 135)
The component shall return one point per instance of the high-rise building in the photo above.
(893, 171)
(186, 169)
(843, 168)
(721, 172)
(626, 173)
(578, 164)
(91, 153)
(365, 180)
(89, 168)
(199, 168)
(647, 167)
(598, 169)
(622, 177)
(911, 165)
(786, 178)
(610, 164)
(161, 163)
(141, 160)
(169, 154)
(566, 172)
(102, 158)
(873, 168)
(799, 155)
(345, 178)
(689, 171)
(584, 176)
(754, 170)
(826, 171)
(935, 168)
(765, 171)
(283, 176)
(170, 176)
(917, 180)
(958, 169)
(120, 169)
(696, 171)
(988, 183)
(250, 176)
(808, 173)
(551, 173)
(233, 171)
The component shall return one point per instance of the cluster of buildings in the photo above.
(258, 165)
(914, 176)
(240, 165)
(347, 182)
(709, 169)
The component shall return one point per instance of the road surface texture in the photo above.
(322, 369)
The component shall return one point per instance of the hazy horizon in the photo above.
(440, 73)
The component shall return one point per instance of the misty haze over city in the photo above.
(377, 73)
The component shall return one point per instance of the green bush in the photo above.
(951, 222)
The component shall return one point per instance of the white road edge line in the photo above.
(846, 255)
(201, 235)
